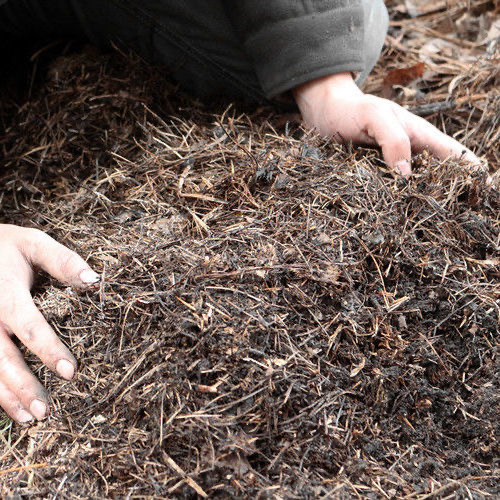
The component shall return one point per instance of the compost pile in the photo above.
(278, 315)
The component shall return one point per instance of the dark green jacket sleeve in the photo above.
(294, 41)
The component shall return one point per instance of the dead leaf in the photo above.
(279, 362)
(417, 8)
(330, 274)
(401, 77)
(493, 33)
(404, 76)
(355, 370)
(437, 47)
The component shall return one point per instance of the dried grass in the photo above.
(278, 317)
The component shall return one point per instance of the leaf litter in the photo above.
(278, 316)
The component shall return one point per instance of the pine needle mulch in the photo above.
(278, 316)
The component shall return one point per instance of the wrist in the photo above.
(338, 84)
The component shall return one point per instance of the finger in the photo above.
(388, 132)
(20, 392)
(26, 322)
(424, 136)
(12, 406)
(60, 262)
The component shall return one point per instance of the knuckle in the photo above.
(68, 262)
(32, 325)
(35, 236)
(398, 144)
(5, 358)
(398, 139)
(33, 242)
(29, 330)
(11, 304)
(401, 142)
(372, 109)
(29, 388)
(417, 129)
(376, 104)
(35, 233)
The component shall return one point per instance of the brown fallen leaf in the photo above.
(404, 76)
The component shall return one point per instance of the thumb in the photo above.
(63, 264)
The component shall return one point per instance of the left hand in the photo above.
(337, 108)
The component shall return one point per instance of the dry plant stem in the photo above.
(244, 342)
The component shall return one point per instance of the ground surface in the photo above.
(278, 316)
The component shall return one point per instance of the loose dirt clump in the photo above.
(278, 317)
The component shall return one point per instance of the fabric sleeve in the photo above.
(295, 41)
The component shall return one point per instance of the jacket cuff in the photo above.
(297, 50)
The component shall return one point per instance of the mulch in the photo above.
(279, 317)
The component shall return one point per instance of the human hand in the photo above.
(22, 251)
(336, 107)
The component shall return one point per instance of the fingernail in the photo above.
(89, 277)
(65, 368)
(403, 167)
(23, 416)
(38, 409)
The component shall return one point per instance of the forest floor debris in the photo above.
(279, 317)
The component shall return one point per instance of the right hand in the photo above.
(22, 252)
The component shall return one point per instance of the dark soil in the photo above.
(279, 317)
